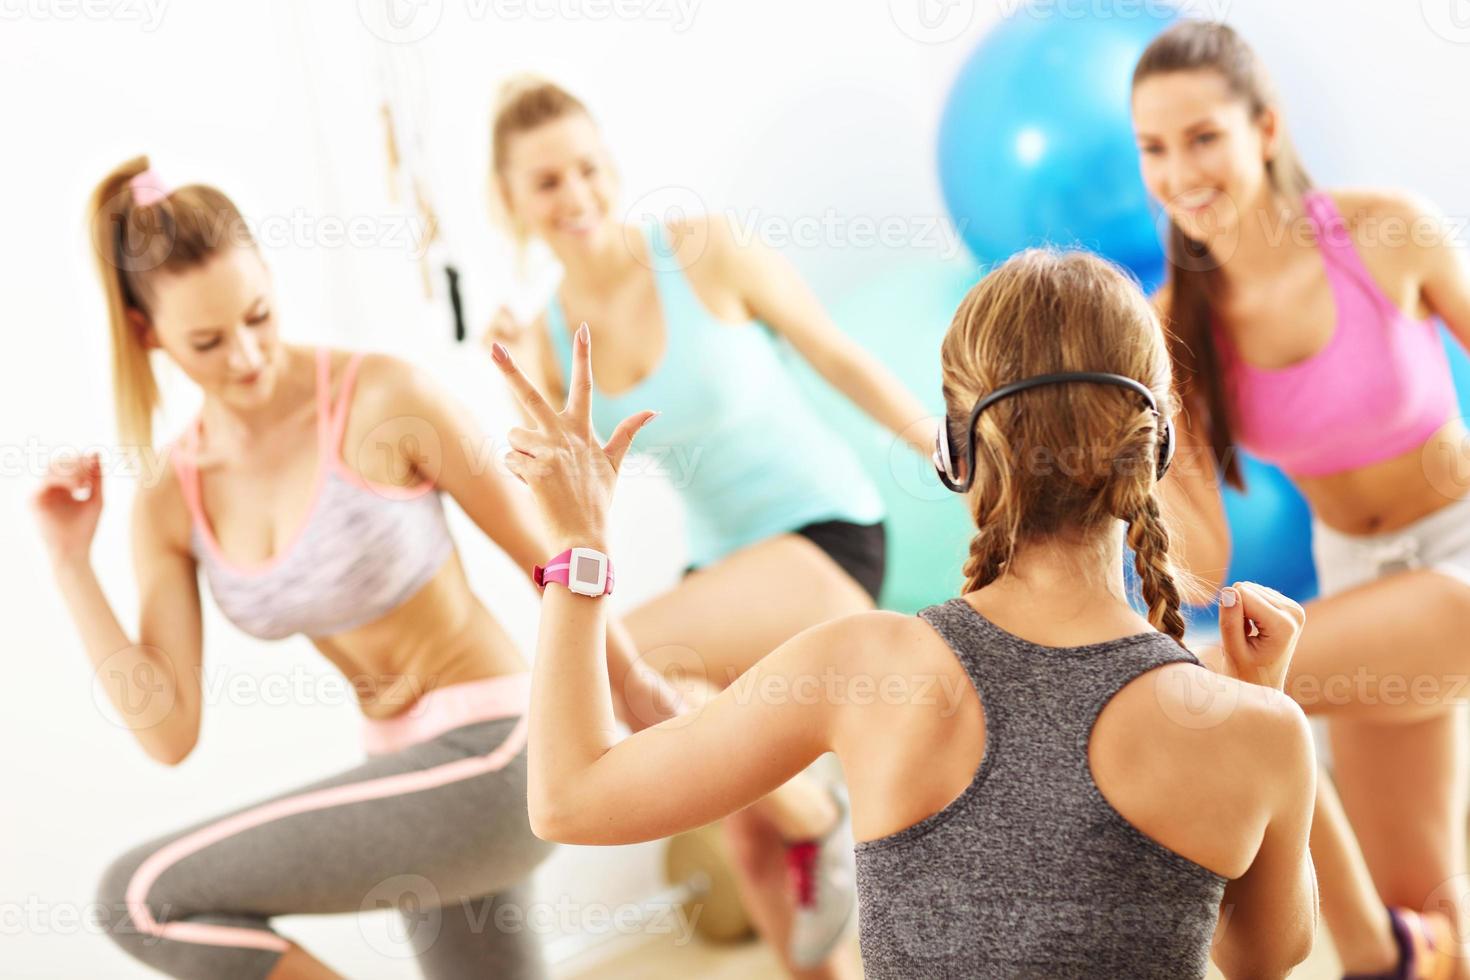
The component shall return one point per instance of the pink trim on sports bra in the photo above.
(337, 431)
(331, 428)
(1379, 387)
(362, 548)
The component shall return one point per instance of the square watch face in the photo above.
(585, 570)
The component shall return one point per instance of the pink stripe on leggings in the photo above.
(373, 789)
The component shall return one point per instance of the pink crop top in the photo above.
(1380, 387)
(362, 549)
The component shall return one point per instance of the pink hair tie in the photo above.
(148, 188)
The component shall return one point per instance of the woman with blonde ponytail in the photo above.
(282, 494)
(1037, 771)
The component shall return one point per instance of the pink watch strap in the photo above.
(559, 569)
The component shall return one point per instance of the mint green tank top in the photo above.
(747, 455)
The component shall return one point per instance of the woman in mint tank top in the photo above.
(1307, 334)
(1050, 785)
(778, 510)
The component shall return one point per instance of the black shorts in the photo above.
(860, 550)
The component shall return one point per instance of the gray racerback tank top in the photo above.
(1030, 872)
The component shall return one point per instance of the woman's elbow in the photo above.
(545, 823)
(554, 818)
(1267, 959)
(172, 741)
(171, 752)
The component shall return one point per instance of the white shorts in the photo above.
(1439, 541)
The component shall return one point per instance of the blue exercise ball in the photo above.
(1036, 140)
(1459, 368)
(1270, 532)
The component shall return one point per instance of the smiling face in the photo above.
(1202, 155)
(217, 322)
(558, 184)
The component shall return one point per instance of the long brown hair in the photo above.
(1193, 280)
(133, 243)
(1068, 458)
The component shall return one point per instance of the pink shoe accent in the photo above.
(374, 789)
(446, 708)
(801, 861)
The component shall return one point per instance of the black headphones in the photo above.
(944, 457)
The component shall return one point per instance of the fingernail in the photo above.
(1227, 597)
(582, 332)
(498, 349)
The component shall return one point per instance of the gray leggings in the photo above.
(438, 830)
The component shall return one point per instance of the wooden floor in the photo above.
(662, 959)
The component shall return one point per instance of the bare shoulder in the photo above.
(1390, 221)
(870, 642)
(705, 245)
(394, 403)
(1358, 203)
(885, 672)
(1271, 724)
(903, 659)
(891, 635)
(859, 634)
(1226, 759)
(160, 511)
(1233, 721)
(1401, 236)
(386, 385)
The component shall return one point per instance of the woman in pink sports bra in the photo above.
(309, 492)
(1304, 325)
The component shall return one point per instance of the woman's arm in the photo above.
(680, 774)
(1192, 499)
(1269, 915)
(776, 294)
(587, 788)
(1440, 256)
(153, 683)
(466, 466)
(1195, 508)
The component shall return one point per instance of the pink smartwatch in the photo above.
(585, 571)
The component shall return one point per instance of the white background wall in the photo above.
(779, 111)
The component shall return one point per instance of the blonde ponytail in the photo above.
(135, 389)
(136, 237)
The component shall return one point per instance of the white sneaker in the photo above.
(824, 877)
